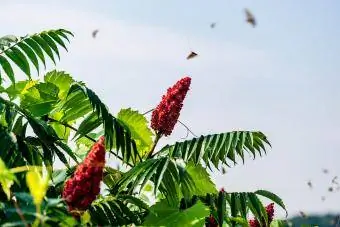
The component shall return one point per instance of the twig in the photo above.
(18, 210)
(86, 136)
(187, 128)
(158, 136)
(147, 112)
(70, 126)
(177, 120)
(186, 136)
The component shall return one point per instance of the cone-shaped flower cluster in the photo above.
(270, 214)
(166, 114)
(80, 190)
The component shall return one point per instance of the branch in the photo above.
(86, 136)
(18, 210)
(147, 112)
(158, 136)
(187, 128)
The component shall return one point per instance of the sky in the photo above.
(280, 78)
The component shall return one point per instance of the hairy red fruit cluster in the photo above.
(270, 214)
(166, 114)
(80, 190)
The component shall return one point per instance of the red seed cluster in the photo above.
(270, 214)
(80, 190)
(166, 114)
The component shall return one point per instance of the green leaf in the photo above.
(168, 176)
(85, 218)
(221, 206)
(44, 131)
(61, 79)
(30, 54)
(9, 144)
(138, 126)
(51, 43)
(37, 49)
(218, 148)
(19, 88)
(116, 134)
(75, 106)
(7, 178)
(62, 34)
(257, 208)
(272, 197)
(238, 220)
(56, 38)
(278, 223)
(62, 131)
(44, 45)
(7, 68)
(116, 211)
(66, 32)
(40, 99)
(19, 59)
(48, 91)
(90, 123)
(201, 178)
(111, 176)
(161, 214)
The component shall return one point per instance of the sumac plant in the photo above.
(60, 146)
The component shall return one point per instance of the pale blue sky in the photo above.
(280, 77)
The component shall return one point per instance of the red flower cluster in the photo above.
(80, 190)
(166, 114)
(270, 214)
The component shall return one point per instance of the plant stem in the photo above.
(39, 214)
(86, 136)
(147, 112)
(187, 128)
(158, 136)
(18, 210)
(70, 126)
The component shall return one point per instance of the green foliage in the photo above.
(139, 129)
(218, 148)
(25, 50)
(272, 197)
(201, 178)
(161, 214)
(60, 118)
(60, 79)
(7, 178)
(53, 212)
(117, 135)
(122, 210)
(278, 223)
